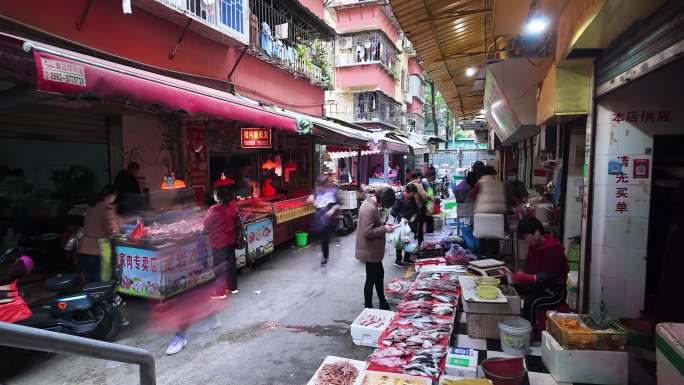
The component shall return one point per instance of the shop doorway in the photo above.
(668, 174)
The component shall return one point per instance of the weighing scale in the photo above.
(489, 268)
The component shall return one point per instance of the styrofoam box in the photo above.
(670, 366)
(489, 226)
(443, 380)
(366, 335)
(511, 307)
(585, 366)
(360, 365)
(410, 380)
(461, 362)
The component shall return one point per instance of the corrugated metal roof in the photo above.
(450, 36)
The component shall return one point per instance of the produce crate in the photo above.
(347, 199)
(368, 335)
(597, 339)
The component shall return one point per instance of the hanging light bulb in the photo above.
(470, 71)
(483, 111)
(536, 21)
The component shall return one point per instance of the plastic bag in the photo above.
(411, 247)
(138, 232)
(469, 238)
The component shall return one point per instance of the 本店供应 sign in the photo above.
(255, 138)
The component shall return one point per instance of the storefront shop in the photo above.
(183, 136)
(637, 169)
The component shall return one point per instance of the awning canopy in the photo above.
(62, 72)
(416, 148)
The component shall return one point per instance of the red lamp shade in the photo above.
(223, 181)
(269, 165)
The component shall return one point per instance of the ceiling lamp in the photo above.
(470, 71)
(483, 111)
(536, 21)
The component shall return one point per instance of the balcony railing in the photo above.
(228, 16)
(275, 37)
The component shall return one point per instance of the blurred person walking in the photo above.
(327, 206)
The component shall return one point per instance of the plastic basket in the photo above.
(596, 339)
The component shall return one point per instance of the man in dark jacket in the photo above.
(543, 285)
(126, 183)
(406, 209)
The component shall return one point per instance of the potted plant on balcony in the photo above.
(303, 55)
(321, 60)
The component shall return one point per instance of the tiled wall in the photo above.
(624, 132)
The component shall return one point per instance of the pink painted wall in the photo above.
(315, 6)
(414, 68)
(364, 18)
(365, 75)
(415, 107)
(147, 39)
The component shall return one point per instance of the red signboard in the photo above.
(255, 138)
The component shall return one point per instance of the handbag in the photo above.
(240, 234)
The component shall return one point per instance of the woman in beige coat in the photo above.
(370, 243)
(100, 221)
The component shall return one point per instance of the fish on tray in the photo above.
(390, 362)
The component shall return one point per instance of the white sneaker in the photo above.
(177, 344)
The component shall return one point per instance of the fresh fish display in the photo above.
(372, 320)
(337, 373)
(390, 352)
(390, 362)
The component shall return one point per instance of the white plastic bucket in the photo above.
(515, 335)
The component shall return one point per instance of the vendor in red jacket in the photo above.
(543, 283)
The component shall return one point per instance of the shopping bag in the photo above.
(470, 240)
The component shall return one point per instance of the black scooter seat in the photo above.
(63, 283)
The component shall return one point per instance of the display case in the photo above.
(291, 209)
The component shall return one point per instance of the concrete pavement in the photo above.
(279, 336)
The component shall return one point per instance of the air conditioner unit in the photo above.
(345, 42)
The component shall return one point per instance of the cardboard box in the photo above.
(585, 366)
(485, 325)
(367, 335)
(461, 362)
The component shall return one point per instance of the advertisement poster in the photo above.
(259, 238)
(161, 274)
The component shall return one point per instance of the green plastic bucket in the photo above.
(301, 238)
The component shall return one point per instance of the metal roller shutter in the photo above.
(642, 42)
(52, 123)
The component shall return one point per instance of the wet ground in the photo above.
(286, 319)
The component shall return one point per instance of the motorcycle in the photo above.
(90, 310)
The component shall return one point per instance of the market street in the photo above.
(279, 336)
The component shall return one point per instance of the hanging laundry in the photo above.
(359, 53)
(266, 39)
(281, 31)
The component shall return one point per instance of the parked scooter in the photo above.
(90, 310)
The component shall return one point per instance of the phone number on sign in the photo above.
(65, 77)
